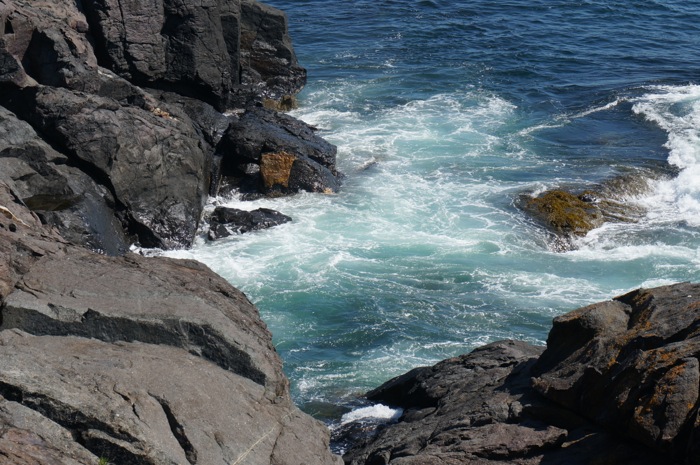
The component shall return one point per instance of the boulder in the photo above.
(272, 153)
(225, 221)
(479, 408)
(631, 366)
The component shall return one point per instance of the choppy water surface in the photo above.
(444, 112)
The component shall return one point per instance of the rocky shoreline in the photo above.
(117, 121)
(112, 136)
(617, 383)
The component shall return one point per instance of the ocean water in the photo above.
(445, 113)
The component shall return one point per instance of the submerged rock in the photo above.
(565, 213)
(229, 221)
(569, 214)
(618, 383)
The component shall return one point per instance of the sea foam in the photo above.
(676, 110)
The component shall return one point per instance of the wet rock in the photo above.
(570, 214)
(229, 221)
(289, 157)
(480, 408)
(565, 213)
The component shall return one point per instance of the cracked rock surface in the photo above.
(618, 383)
(136, 360)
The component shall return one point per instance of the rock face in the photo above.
(617, 383)
(631, 365)
(205, 49)
(135, 360)
(229, 221)
(123, 102)
(110, 120)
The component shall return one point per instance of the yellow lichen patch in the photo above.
(275, 168)
(285, 103)
(565, 212)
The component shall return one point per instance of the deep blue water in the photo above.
(445, 112)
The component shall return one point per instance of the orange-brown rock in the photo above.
(275, 168)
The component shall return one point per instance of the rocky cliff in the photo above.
(112, 134)
(110, 113)
(618, 383)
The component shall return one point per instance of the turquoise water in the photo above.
(444, 113)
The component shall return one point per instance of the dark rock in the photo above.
(151, 162)
(211, 51)
(267, 56)
(636, 370)
(289, 154)
(228, 221)
(167, 43)
(62, 195)
(480, 408)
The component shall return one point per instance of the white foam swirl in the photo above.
(676, 110)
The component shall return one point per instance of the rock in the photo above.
(568, 214)
(267, 56)
(200, 50)
(287, 155)
(168, 44)
(153, 300)
(565, 213)
(480, 408)
(143, 403)
(152, 163)
(45, 45)
(62, 196)
(29, 438)
(228, 221)
(23, 240)
(636, 372)
(104, 358)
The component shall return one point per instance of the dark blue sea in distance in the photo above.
(444, 114)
